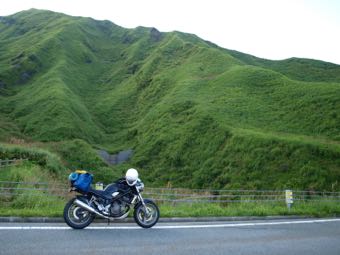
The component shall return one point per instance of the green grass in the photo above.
(77, 154)
(295, 68)
(228, 159)
(315, 209)
(36, 212)
(42, 157)
(23, 202)
(37, 203)
(309, 209)
(196, 115)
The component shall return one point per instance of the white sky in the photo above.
(273, 29)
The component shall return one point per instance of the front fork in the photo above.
(146, 210)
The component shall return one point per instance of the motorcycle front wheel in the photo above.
(77, 217)
(149, 218)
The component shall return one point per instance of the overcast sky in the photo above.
(273, 29)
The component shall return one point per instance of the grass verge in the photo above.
(313, 208)
(316, 209)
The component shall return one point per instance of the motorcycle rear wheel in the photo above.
(149, 219)
(77, 217)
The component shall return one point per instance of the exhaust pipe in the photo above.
(89, 208)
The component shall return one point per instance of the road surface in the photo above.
(289, 237)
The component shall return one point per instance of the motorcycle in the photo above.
(112, 203)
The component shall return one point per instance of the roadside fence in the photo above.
(11, 190)
(11, 162)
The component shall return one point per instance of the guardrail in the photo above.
(10, 190)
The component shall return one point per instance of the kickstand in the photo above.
(108, 222)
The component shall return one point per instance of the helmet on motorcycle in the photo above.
(131, 176)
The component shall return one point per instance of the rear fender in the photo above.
(83, 198)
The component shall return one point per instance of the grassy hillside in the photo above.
(295, 68)
(195, 114)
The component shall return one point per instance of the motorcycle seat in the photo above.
(106, 193)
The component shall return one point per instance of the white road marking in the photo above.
(226, 225)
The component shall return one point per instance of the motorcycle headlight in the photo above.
(140, 186)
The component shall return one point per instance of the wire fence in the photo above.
(53, 193)
(11, 162)
(236, 196)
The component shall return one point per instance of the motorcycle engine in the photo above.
(118, 208)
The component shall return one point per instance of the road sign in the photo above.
(289, 198)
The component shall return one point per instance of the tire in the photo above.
(142, 219)
(77, 217)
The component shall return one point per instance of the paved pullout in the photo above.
(251, 237)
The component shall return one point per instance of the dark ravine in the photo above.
(114, 159)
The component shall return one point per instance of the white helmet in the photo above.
(131, 176)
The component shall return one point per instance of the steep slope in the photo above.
(194, 114)
(39, 75)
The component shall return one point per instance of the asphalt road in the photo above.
(256, 237)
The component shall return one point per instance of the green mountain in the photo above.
(195, 114)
